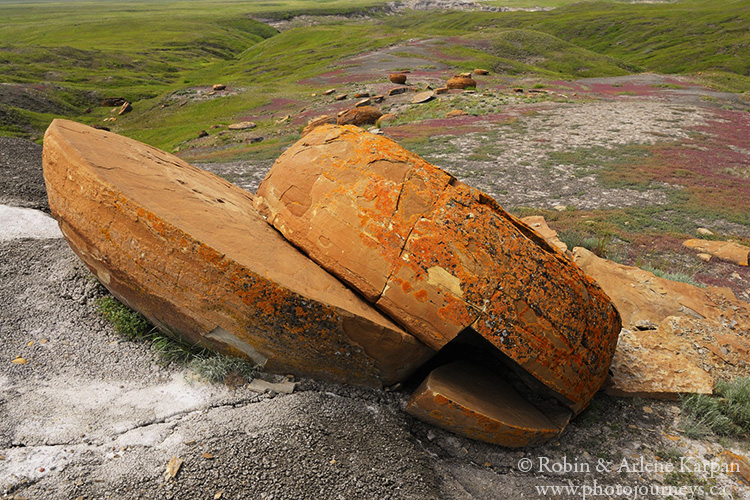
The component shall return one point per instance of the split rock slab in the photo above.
(188, 250)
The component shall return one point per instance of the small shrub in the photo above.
(214, 367)
(672, 276)
(128, 323)
(726, 413)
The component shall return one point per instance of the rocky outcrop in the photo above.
(538, 224)
(677, 338)
(440, 257)
(724, 250)
(189, 251)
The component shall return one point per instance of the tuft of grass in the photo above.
(210, 365)
(598, 244)
(672, 276)
(726, 413)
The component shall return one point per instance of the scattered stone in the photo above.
(703, 231)
(538, 224)
(377, 98)
(219, 86)
(442, 90)
(518, 90)
(125, 108)
(365, 115)
(173, 467)
(316, 122)
(465, 75)
(242, 125)
(476, 403)
(398, 90)
(481, 72)
(360, 95)
(261, 386)
(705, 257)
(202, 134)
(363, 102)
(386, 118)
(398, 78)
(19, 361)
(188, 250)
(560, 208)
(114, 101)
(455, 112)
(253, 140)
(724, 250)
(703, 333)
(422, 97)
(440, 256)
(461, 82)
(283, 119)
(329, 91)
(340, 97)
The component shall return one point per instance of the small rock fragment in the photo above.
(422, 97)
(329, 91)
(455, 112)
(125, 108)
(364, 102)
(398, 90)
(340, 97)
(705, 257)
(703, 231)
(219, 86)
(19, 361)
(479, 71)
(724, 250)
(173, 467)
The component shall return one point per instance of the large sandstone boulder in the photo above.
(440, 257)
(189, 251)
(460, 82)
(677, 338)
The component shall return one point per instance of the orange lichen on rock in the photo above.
(474, 402)
(378, 216)
(189, 251)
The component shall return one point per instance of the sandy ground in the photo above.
(90, 415)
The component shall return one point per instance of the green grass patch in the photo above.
(135, 327)
(727, 412)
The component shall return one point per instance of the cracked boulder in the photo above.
(189, 251)
(441, 258)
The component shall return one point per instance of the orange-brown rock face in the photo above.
(678, 338)
(189, 251)
(438, 256)
(476, 403)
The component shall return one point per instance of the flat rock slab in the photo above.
(438, 256)
(677, 338)
(188, 250)
(724, 250)
(476, 403)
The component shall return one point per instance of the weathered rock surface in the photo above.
(476, 403)
(422, 97)
(538, 224)
(724, 250)
(461, 82)
(438, 256)
(125, 109)
(454, 113)
(188, 250)
(363, 115)
(316, 122)
(677, 338)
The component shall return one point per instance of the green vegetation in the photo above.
(726, 413)
(673, 276)
(75, 53)
(135, 327)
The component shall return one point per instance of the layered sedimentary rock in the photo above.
(677, 338)
(439, 257)
(724, 250)
(474, 402)
(189, 251)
